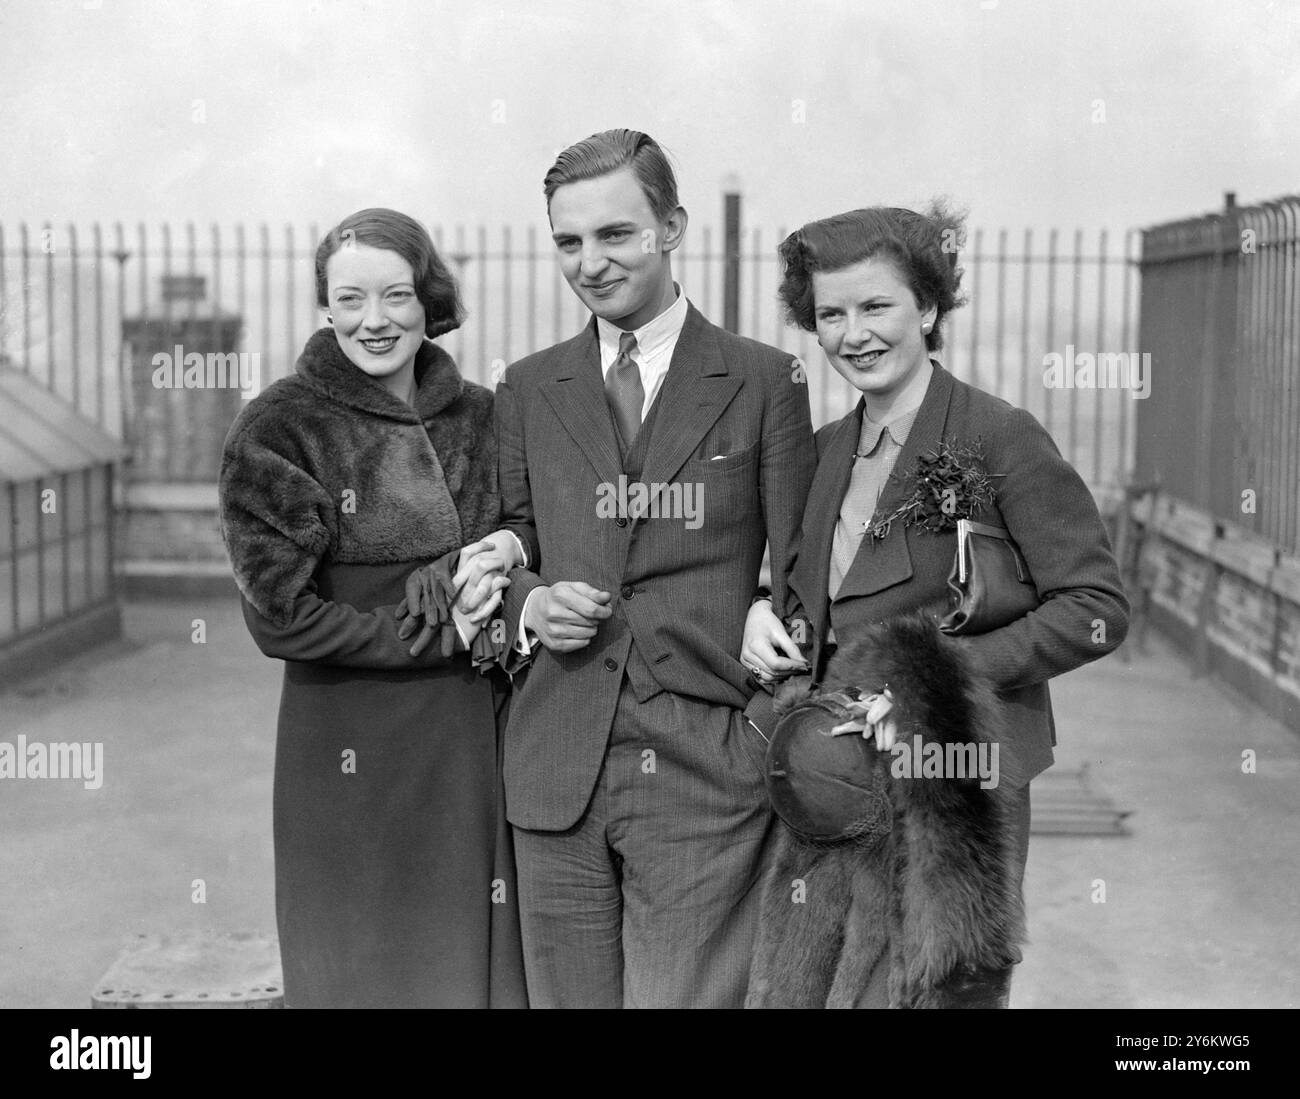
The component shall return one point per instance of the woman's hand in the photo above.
(503, 545)
(765, 640)
(480, 578)
(876, 719)
(434, 596)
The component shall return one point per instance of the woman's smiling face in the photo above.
(378, 320)
(870, 326)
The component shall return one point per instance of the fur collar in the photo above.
(326, 468)
(325, 367)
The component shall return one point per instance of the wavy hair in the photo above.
(922, 246)
(435, 286)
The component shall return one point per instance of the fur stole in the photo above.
(931, 894)
(328, 463)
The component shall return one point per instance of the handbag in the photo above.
(989, 583)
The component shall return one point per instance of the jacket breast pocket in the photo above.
(725, 463)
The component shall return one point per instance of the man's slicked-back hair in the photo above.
(610, 150)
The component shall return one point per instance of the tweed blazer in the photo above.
(1049, 512)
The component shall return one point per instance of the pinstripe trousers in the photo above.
(651, 899)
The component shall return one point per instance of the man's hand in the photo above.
(565, 615)
(765, 641)
(875, 719)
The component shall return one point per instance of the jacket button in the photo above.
(628, 591)
(611, 665)
(620, 522)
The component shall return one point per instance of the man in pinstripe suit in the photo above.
(633, 780)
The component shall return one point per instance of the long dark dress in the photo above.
(394, 876)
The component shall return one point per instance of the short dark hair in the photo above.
(435, 287)
(923, 246)
(610, 150)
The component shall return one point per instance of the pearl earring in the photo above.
(329, 317)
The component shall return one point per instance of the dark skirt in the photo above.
(394, 875)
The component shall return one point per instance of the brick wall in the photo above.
(1241, 621)
(1177, 577)
(1288, 653)
(1230, 598)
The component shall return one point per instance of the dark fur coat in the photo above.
(935, 896)
(332, 492)
(327, 462)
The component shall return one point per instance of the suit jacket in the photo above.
(1049, 512)
(732, 421)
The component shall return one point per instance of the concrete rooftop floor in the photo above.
(1202, 899)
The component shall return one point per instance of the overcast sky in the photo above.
(1093, 113)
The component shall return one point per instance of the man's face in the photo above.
(613, 250)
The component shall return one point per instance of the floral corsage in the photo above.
(948, 484)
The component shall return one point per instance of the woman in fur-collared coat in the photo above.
(394, 881)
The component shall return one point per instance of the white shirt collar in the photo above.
(652, 335)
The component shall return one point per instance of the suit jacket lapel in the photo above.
(830, 482)
(577, 393)
(883, 562)
(696, 390)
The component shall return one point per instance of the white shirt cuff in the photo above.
(523, 550)
(525, 639)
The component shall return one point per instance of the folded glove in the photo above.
(430, 595)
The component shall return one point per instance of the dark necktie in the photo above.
(624, 390)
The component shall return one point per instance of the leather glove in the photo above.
(427, 604)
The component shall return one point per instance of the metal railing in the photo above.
(1221, 320)
(66, 298)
